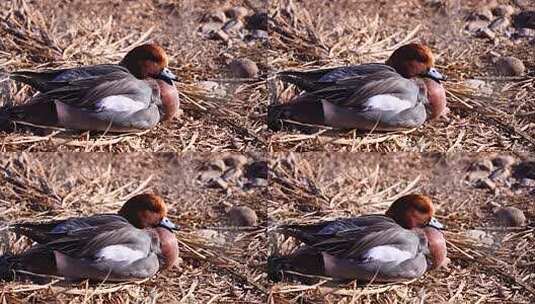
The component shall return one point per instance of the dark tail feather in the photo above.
(305, 260)
(275, 114)
(39, 232)
(7, 272)
(6, 259)
(41, 81)
(37, 260)
(302, 83)
(307, 81)
(37, 112)
(300, 234)
(276, 266)
(5, 117)
(305, 109)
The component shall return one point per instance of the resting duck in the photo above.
(401, 245)
(133, 244)
(133, 95)
(400, 94)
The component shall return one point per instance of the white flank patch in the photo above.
(387, 102)
(120, 253)
(387, 254)
(119, 103)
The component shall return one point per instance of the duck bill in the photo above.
(168, 224)
(167, 76)
(435, 75)
(435, 224)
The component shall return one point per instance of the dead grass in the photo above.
(215, 269)
(310, 187)
(306, 35)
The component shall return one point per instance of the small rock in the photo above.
(485, 183)
(218, 165)
(479, 236)
(485, 33)
(503, 161)
(208, 176)
(500, 24)
(212, 88)
(482, 13)
(257, 169)
(482, 165)
(476, 25)
(217, 16)
(220, 35)
(242, 216)
(474, 83)
(433, 2)
(525, 170)
(208, 85)
(243, 68)
(235, 160)
(488, 3)
(233, 27)
(510, 66)
(208, 29)
(257, 21)
(261, 182)
(232, 174)
(218, 182)
(211, 236)
(522, 3)
(237, 12)
(475, 176)
(480, 86)
(500, 175)
(524, 33)
(260, 35)
(524, 19)
(510, 217)
(528, 183)
(503, 10)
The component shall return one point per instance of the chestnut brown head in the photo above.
(413, 60)
(148, 61)
(145, 211)
(412, 211)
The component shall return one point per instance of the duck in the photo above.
(400, 245)
(401, 94)
(131, 96)
(133, 244)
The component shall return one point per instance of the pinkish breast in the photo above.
(436, 94)
(437, 246)
(168, 246)
(170, 99)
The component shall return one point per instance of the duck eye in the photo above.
(421, 209)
